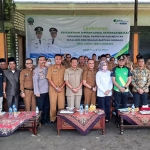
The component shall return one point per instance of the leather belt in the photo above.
(28, 89)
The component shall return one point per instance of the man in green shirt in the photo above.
(121, 77)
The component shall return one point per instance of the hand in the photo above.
(94, 89)
(75, 90)
(106, 92)
(37, 95)
(4, 95)
(122, 89)
(140, 91)
(59, 90)
(22, 95)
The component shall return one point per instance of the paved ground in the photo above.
(132, 139)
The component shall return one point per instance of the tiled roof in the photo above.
(80, 1)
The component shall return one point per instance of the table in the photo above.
(82, 123)
(135, 119)
(23, 120)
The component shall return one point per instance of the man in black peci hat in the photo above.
(38, 45)
(11, 83)
(54, 43)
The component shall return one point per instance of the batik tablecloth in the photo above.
(82, 123)
(10, 123)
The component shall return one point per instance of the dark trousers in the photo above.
(120, 100)
(43, 104)
(104, 103)
(12, 99)
(138, 98)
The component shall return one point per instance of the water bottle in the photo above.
(15, 111)
(133, 108)
(37, 110)
(10, 111)
(81, 110)
(86, 109)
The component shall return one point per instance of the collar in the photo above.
(73, 69)
(55, 66)
(121, 67)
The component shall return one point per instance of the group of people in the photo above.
(47, 86)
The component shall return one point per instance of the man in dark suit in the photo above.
(11, 83)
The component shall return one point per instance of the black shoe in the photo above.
(52, 122)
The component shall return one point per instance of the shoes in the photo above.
(52, 122)
(107, 121)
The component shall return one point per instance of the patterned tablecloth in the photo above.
(82, 123)
(135, 118)
(10, 123)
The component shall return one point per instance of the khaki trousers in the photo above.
(56, 99)
(29, 100)
(89, 96)
(74, 101)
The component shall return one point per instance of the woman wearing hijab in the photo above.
(104, 88)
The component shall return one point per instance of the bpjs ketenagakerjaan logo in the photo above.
(120, 21)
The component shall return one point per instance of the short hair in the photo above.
(112, 58)
(93, 54)
(90, 59)
(58, 55)
(67, 55)
(40, 57)
(80, 56)
(107, 54)
(73, 58)
(103, 55)
(29, 59)
(140, 57)
(99, 57)
(128, 54)
(86, 57)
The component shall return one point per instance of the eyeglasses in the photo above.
(29, 63)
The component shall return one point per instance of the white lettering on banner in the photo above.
(76, 35)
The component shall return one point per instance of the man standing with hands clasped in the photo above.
(55, 77)
(140, 82)
(73, 79)
(121, 77)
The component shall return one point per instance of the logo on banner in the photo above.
(118, 21)
(30, 21)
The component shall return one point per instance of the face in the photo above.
(94, 57)
(29, 64)
(107, 56)
(104, 66)
(86, 59)
(58, 60)
(112, 60)
(12, 65)
(68, 58)
(90, 64)
(39, 35)
(3, 65)
(42, 61)
(74, 63)
(103, 58)
(141, 63)
(81, 60)
(53, 34)
(121, 62)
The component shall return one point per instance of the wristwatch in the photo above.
(125, 87)
(22, 92)
(91, 88)
(56, 88)
(4, 92)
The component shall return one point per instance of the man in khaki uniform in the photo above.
(82, 64)
(55, 77)
(73, 79)
(66, 62)
(111, 64)
(96, 63)
(26, 86)
(89, 82)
